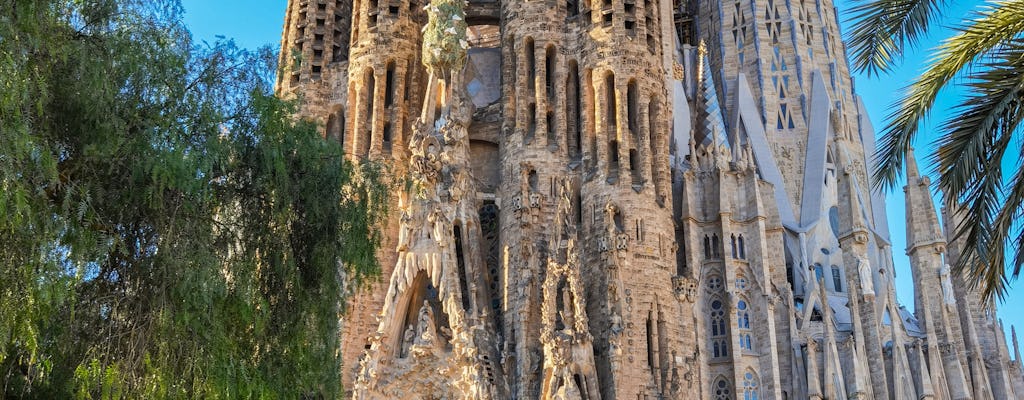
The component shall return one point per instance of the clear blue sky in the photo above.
(254, 23)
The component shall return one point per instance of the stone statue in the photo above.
(948, 295)
(405, 230)
(867, 282)
(407, 338)
(616, 324)
(424, 325)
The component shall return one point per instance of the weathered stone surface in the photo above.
(631, 199)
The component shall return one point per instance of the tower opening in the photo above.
(389, 85)
(573, 117)
(461, 261)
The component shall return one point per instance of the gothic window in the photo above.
(735, 251)
(743, 325)
(707, 246)
(714, 284)
(837, 280)
(716, 249)
(721, 389)
(743, 315)
(741, 282)
(750, 386)
(719, 334)
(743, 248)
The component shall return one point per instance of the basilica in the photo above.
(631, 199)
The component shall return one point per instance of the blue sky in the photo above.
(254, 23)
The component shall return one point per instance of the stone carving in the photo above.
(948, 296)
(867, 284)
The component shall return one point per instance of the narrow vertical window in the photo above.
(389, 85)
(549, 72)
(632, 115)
(531, 64)
(611, 109)
(461, 261)
(837, 279)
(573, 115)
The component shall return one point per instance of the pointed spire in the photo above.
(923, 227)
(912, 172)
(927, 392)
(1016, 348)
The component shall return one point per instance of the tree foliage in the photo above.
(986, 57)
(167, 229)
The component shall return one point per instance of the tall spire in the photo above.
(923, 226)
(1016, 348)
(912, 172)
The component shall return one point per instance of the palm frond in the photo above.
(883, 28)
(970, 162)
(995, 25)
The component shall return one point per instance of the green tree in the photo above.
(985, 55)
(167, 229)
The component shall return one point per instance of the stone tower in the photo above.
(618, 199)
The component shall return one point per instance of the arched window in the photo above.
(721, 389)
(735, 251)
(837, 278)
(743, 248)
(719, 334)
(743, 325)
(750, 386)
(707, 246)
(716, 246)
(743, 315)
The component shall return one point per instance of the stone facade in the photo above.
(619, 199)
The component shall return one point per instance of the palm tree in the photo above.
(986, 56)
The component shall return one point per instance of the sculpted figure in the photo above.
(407, 338)
(948, 296)
(867, 284)
(424, 325)
(405, 231)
